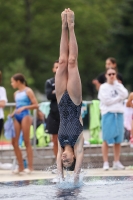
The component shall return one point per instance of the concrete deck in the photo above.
(43, 156)
(7, 176)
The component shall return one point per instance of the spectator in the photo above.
(53, 119)
(109, 63)
(3, 101)
(130, 104)
(25, 101)
(111, 95)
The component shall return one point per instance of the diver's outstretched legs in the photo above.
(62, 71)
(74, 83)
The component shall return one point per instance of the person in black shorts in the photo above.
(101, 78)
(53, 119)
(69, 97)
(3, 101)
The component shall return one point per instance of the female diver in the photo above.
(69, 96)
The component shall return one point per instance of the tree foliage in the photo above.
(30, 33)
(123, 39)
(18, 66)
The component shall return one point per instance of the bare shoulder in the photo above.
(129, 101)
(131, 95)
(29, 90)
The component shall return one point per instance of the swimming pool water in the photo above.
(92, 188)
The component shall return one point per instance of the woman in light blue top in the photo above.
(25, 101)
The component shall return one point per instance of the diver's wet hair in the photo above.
(72, 167)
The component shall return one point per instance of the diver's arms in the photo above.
(79, 153)
(59, 161)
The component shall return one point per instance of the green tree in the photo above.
(93, 21)
(18, 66)
(30, 31)
(123, 40)
(11, 31)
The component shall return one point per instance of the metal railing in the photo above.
(12, 105)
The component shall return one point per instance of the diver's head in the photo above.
(68, 158)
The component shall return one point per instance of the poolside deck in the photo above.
(7, 176)
(43, 157)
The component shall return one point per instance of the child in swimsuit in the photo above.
(69, 96)
(25, 101)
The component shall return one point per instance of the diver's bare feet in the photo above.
(70, 18)
(64, 18)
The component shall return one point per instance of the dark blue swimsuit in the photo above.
(70, 126)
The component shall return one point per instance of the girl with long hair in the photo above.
(25, 101)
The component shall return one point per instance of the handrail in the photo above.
(13, 104)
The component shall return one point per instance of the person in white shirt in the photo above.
(111, 95)
(3, 101)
